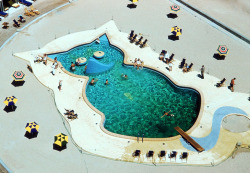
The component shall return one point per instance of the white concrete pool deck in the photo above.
(86, 129)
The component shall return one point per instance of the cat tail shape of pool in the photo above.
(210, 141)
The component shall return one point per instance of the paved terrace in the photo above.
(86, 129)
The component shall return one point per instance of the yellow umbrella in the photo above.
(10, 101)
(176, 30)
(32, 127)
(61, 139)
(134, 1)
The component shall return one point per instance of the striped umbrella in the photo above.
(222, 49)
(18, 76)
(9, 101)
(175, 8)
(32, 127)
(61, 139)
(176, 30)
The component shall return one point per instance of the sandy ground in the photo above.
(36, 102)
(233, 13)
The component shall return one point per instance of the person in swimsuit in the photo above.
(167, 114)
(93, 81)
(107, 82)
(72, 67)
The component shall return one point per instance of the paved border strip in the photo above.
(216, 22)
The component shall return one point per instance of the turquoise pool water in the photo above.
(134, 105)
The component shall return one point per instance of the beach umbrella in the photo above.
(10, 101)
(18, 76)
(222, 49)
(61, 139)
(134, 1)
(175, 8)
(32, 127)
(176, 30)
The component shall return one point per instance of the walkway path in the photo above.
(210, 141)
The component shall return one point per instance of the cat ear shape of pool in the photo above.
(210, 141)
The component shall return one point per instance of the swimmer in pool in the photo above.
(107, 82)
(167, 114)
(93, 81)
(124, 76)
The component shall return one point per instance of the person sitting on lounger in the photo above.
(221, 83)
(93, 81)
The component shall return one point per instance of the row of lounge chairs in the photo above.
(162, 154)
(21, 19)
(133, 39)
(71, 114)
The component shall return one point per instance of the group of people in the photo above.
(133, 38)
(40, 58)
(164, 56)
(138, 63)
(93, 80)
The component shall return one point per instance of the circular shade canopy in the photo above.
(222, 49)
(176, 30)
(18, 76)
(61, 139)
(9, 101)
(32, 127)
(175, 8)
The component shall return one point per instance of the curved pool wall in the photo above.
(164, 123)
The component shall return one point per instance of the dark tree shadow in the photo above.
(172, 15)
(11, 108)
(58, 148)
(173, 37)
(131, 6)
(219, 57)
(17, 83)
(31, 135)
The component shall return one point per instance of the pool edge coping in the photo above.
(125, 61)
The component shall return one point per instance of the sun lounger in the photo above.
(138, 42)
(136, 153)
(184, 155)
(21, 19)
(171, 58)
(28, 13)
(16, 24)
(221, 83)
(134, 39)
(183, 62)
(25, 3)
(32, 9)
(190, 67)
(162, 154)
(15, 5)
(173, 154)
(3, 14)
(144, 44)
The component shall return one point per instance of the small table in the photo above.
(5, 25)
(99, 54)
